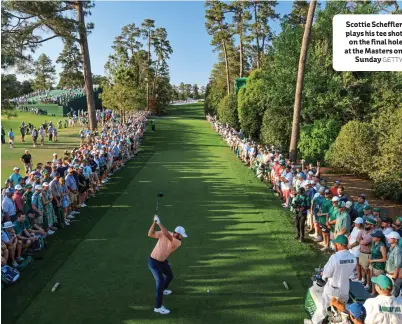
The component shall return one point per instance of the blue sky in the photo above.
(184, 21)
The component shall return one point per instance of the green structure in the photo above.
(240, 83)
(74, 103)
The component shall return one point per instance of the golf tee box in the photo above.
(367, 42)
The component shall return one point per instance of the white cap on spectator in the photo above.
(393, 235)
(335, 199)
(18, 187)
(38, 187)
(16, 168)
(54, 154)
(322, 189)
(310, 172)
(349, 204)
(45, 184)
(359, 220)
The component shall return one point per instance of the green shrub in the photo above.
(251, 105)
(387, 171)
(315, 139)
(354, 148)
(227, 111)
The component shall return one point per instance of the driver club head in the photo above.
(160, 194)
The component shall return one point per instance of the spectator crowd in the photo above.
(47, 196)
(328, 215)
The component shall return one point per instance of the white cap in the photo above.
(348, 204)
(359, 220)
(180, 230)
(54, 154)
(18, 187)
(335, 199)
(393, 235)
(45, 184)
(310, 172)
(38, 187)
(16, 168)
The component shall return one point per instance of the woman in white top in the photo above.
(354, 245)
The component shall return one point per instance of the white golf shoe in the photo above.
(167, 292)
(161, 310)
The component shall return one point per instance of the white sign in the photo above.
(367, 42)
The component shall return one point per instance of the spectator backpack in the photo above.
(9, 275)
(39, 244)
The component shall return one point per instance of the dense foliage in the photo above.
(349, 118)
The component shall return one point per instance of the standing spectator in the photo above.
(287, 180)
(302, 205)
(341, 194)
(378, 256)
(397, 226)
(23, 131)
(42, 135)
(15, 176)
(334, 188)
(65, 201)
(359, 205)
(354, 245)
(323, 217)
(73, 189)
(342, 226)
(8, 206)
(393, 266)
(26, 158)
(315, 208)
(82, 187)
(3, 135)
(35, 137)
(18, 199)
(364, 238)
(49, 218)
(11, 138)
(54, 187)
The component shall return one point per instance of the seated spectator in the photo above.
(20, 227)
(14, 246)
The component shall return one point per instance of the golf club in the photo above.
(160, 195)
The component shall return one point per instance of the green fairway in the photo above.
(240, 242)
(67, 139)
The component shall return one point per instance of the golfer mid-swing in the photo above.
(158, 263)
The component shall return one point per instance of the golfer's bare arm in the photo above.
(151, 231)
(166, 232)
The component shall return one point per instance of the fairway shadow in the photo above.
(240, 244)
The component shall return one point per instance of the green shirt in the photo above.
(27, 202)
(343, 221)
(325, 209)
(333, 214)
(376, 254)
(394, 259)
(19, 227)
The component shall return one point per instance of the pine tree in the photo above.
(71, 61)
(44, 72)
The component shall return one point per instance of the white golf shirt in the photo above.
(383, 309)
(338, 269)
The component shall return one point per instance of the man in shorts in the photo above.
(26, 158)
(365, 239)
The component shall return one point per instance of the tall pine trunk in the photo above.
(227, 65)
(87, 66)
(149, 65)
(241, 72)
(299, 84)
(256, 34)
